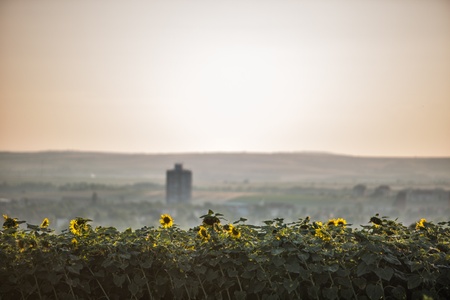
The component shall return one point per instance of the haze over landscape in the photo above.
(352, 77)
(234, 149)
(279, 109)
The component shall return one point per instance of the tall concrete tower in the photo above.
(178, 185)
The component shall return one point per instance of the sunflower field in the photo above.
(218, 259)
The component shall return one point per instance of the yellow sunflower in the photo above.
(331, 222)
(45, 223)
(228, 227)
(10, 222)
(321, 233)
(166, 221)
(79, 226)
(203, 233)
(341, 222)
(235, 233)
(421, 224)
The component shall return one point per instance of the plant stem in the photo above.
(239, 282)
(129, 281)
(99, 284)
(203, 289)
(228, 292)
(37, 286)
(146, 283)
(70, 286)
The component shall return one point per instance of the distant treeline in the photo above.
(74, 186)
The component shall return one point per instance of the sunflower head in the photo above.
(421, 224)
(321, 233)
(211, 219)
(21, 245)
(79, 226)
(45, 223)
(375, 220)
(10, 222)
(203, 233)
(340, 222)
(166, 221)
(235, 233)
(331, 222)
(228, 227)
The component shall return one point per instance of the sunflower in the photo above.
(166, 221)
(321, 233)
(341, 222)
(421, 224)
(45, 223)
(203, 233)
(10, 222)
(228, 227)
(235, 233)
(331, 222)
(78, 226)
(21, 245)
(210, 220)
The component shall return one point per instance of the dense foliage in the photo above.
(220, 260)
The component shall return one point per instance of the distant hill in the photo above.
(215, 168)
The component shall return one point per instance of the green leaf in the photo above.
(303, 256)
(360, 282)
(343, 281)
(362, 269)
(232, 272)
(33, 227)
(369, 258)
(147, 264)
(346, 294)
(240, 295)
(333, 268)
(248, 274)
(118, 280)
(201, 270)
(414, 281)
(316, 268)
(75, 268)
(415, 265)
(313, 292)
(240, 220)
(140, 281)
(178, 283)
(399, 292)
(374, 292)
(211, 275)
(278, 261)
(290, 285)
(277, 251)
(293, 268)
(384, 273)
(392, 259)
(133, 288)
(330, 293)
(258, 286)
(53, 278)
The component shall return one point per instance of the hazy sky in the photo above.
(355, 77)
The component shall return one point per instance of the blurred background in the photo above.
(280, 109)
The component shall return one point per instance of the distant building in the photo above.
(178, 185)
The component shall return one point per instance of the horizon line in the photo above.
(218, 152)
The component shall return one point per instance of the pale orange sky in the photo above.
(360, 77)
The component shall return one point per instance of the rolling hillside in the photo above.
(216, 168)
